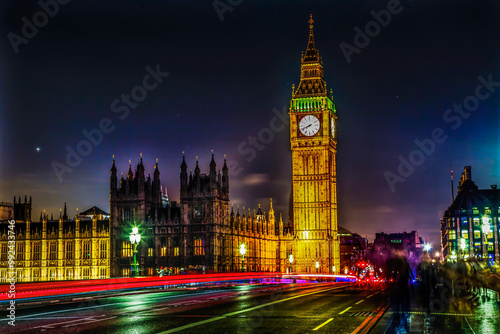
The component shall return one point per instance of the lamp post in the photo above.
(243, 250)
(290, 258)
(427, 247)
(135, 238)
(463, 246)
(486, 230)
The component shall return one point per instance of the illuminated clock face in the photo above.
(332, 123)
(309, 125)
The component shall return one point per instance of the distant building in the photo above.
(470, 225)
(385, 244)
(6, 211)
(353, 248)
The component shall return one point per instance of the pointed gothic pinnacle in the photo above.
(311, 21)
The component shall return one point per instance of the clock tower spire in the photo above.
(313, 139)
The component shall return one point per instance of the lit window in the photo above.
(150, 251)
(126, 249)
(477, 235)
(163, 251)
(475, 211)
(104, 250)
(69, 250)
(490, 247)
(20, 251)
(37, 254)
(476, 221)
(199, 246)
(453, 235)
(86, 253)
(465, 234)
(52, 250)
(176, 251)
(4, 252)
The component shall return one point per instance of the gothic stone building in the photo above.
(200, 233)
(55, 249)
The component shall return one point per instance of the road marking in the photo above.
(359, 302)
(469, 325)
(61, 323)
(362, 325)
(89, 321)
(315, 329)
(104, 305)
(370, 295)
(371, 320)
(347, 309)
(195, 324)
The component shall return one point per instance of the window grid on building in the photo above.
(126, 249)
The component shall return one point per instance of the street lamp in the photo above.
(243, 250)
(135, 238)
(427, 247)
(463, 246)
(486, 230)
(290, 258)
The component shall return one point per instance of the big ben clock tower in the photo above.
(313, 139)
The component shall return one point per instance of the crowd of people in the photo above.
(435, 286)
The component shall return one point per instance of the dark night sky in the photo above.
(226, 77)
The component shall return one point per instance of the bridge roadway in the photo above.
(277, 308)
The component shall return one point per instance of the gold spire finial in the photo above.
(311, 21)
(130, 161)
(141, 155)
(113, 157)
(212, 151)
(182, 152)
(196, 158)
(224, 156)
(156, 160)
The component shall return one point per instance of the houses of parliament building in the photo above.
(203, 231)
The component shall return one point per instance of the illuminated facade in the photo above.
(313, 138)
(470, 226)
(56, 249)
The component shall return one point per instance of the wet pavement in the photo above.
(450, 311)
